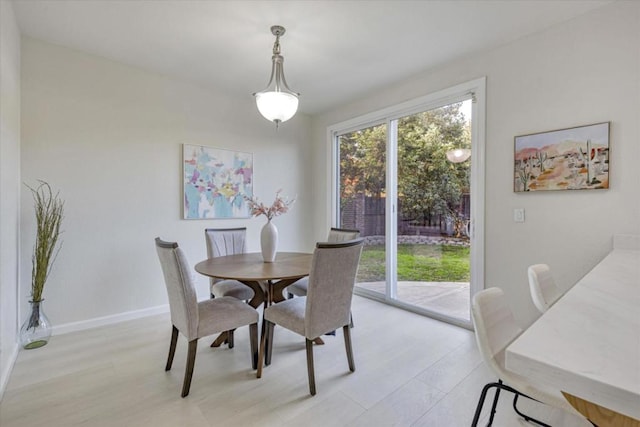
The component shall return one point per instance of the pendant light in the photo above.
(277, 102)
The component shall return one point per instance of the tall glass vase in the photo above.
(269, 241)
(36, 330)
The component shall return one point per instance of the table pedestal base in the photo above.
(267, 293)
(221, 339)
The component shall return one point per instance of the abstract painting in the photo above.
(567, 159)
(215, 182)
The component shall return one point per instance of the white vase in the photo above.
(269, 241)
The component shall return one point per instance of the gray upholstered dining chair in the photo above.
(222, 242)
(199, 319)
(326, 307)
(496, 328)
(544, 291)
(299, 288)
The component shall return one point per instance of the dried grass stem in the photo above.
(49, 210)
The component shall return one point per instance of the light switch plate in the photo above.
(518, 215)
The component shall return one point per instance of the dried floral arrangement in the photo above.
(279, 206)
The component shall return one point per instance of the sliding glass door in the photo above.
(433, 210)
(406, 183)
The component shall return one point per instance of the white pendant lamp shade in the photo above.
(277, 103)
(277, 106)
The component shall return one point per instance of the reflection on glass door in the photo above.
(362, 190)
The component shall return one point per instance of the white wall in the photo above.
(583, 71)
(9, 187)
(109, 137)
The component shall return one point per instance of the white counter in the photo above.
(588, 343)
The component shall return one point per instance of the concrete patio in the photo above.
(448, 298)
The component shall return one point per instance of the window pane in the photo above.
(362, 157)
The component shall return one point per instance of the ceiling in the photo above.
(335, 51)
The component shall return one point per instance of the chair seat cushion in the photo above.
(299, 288)
(288, 314)
(232, 288)
(223, 314)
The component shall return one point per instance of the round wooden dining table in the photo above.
(267, 279)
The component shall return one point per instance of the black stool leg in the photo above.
(501, 386)
(495, 403)
(526, 417)
(483, 396)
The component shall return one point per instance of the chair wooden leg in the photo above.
(253, 338)
(263, 340)
(312, 379)
(230, 337)
(172, 348)
(347, 344)
(269, 344)
(191, 359)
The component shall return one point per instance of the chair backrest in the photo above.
(224, 241)
(183, 302)
(331, 281)
(544, 291)
(342, 234)
(495, 327)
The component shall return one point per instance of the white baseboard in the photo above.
(108, 320)
(6, 372)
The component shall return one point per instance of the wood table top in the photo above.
(251, 267)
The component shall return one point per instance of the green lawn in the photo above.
(419, 263)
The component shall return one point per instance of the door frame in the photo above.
(476, 90)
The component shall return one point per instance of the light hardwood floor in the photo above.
(410, 371)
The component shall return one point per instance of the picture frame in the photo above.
(215, 182)
(575, 158)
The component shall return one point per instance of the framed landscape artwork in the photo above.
(215, 182)
(566, 159)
